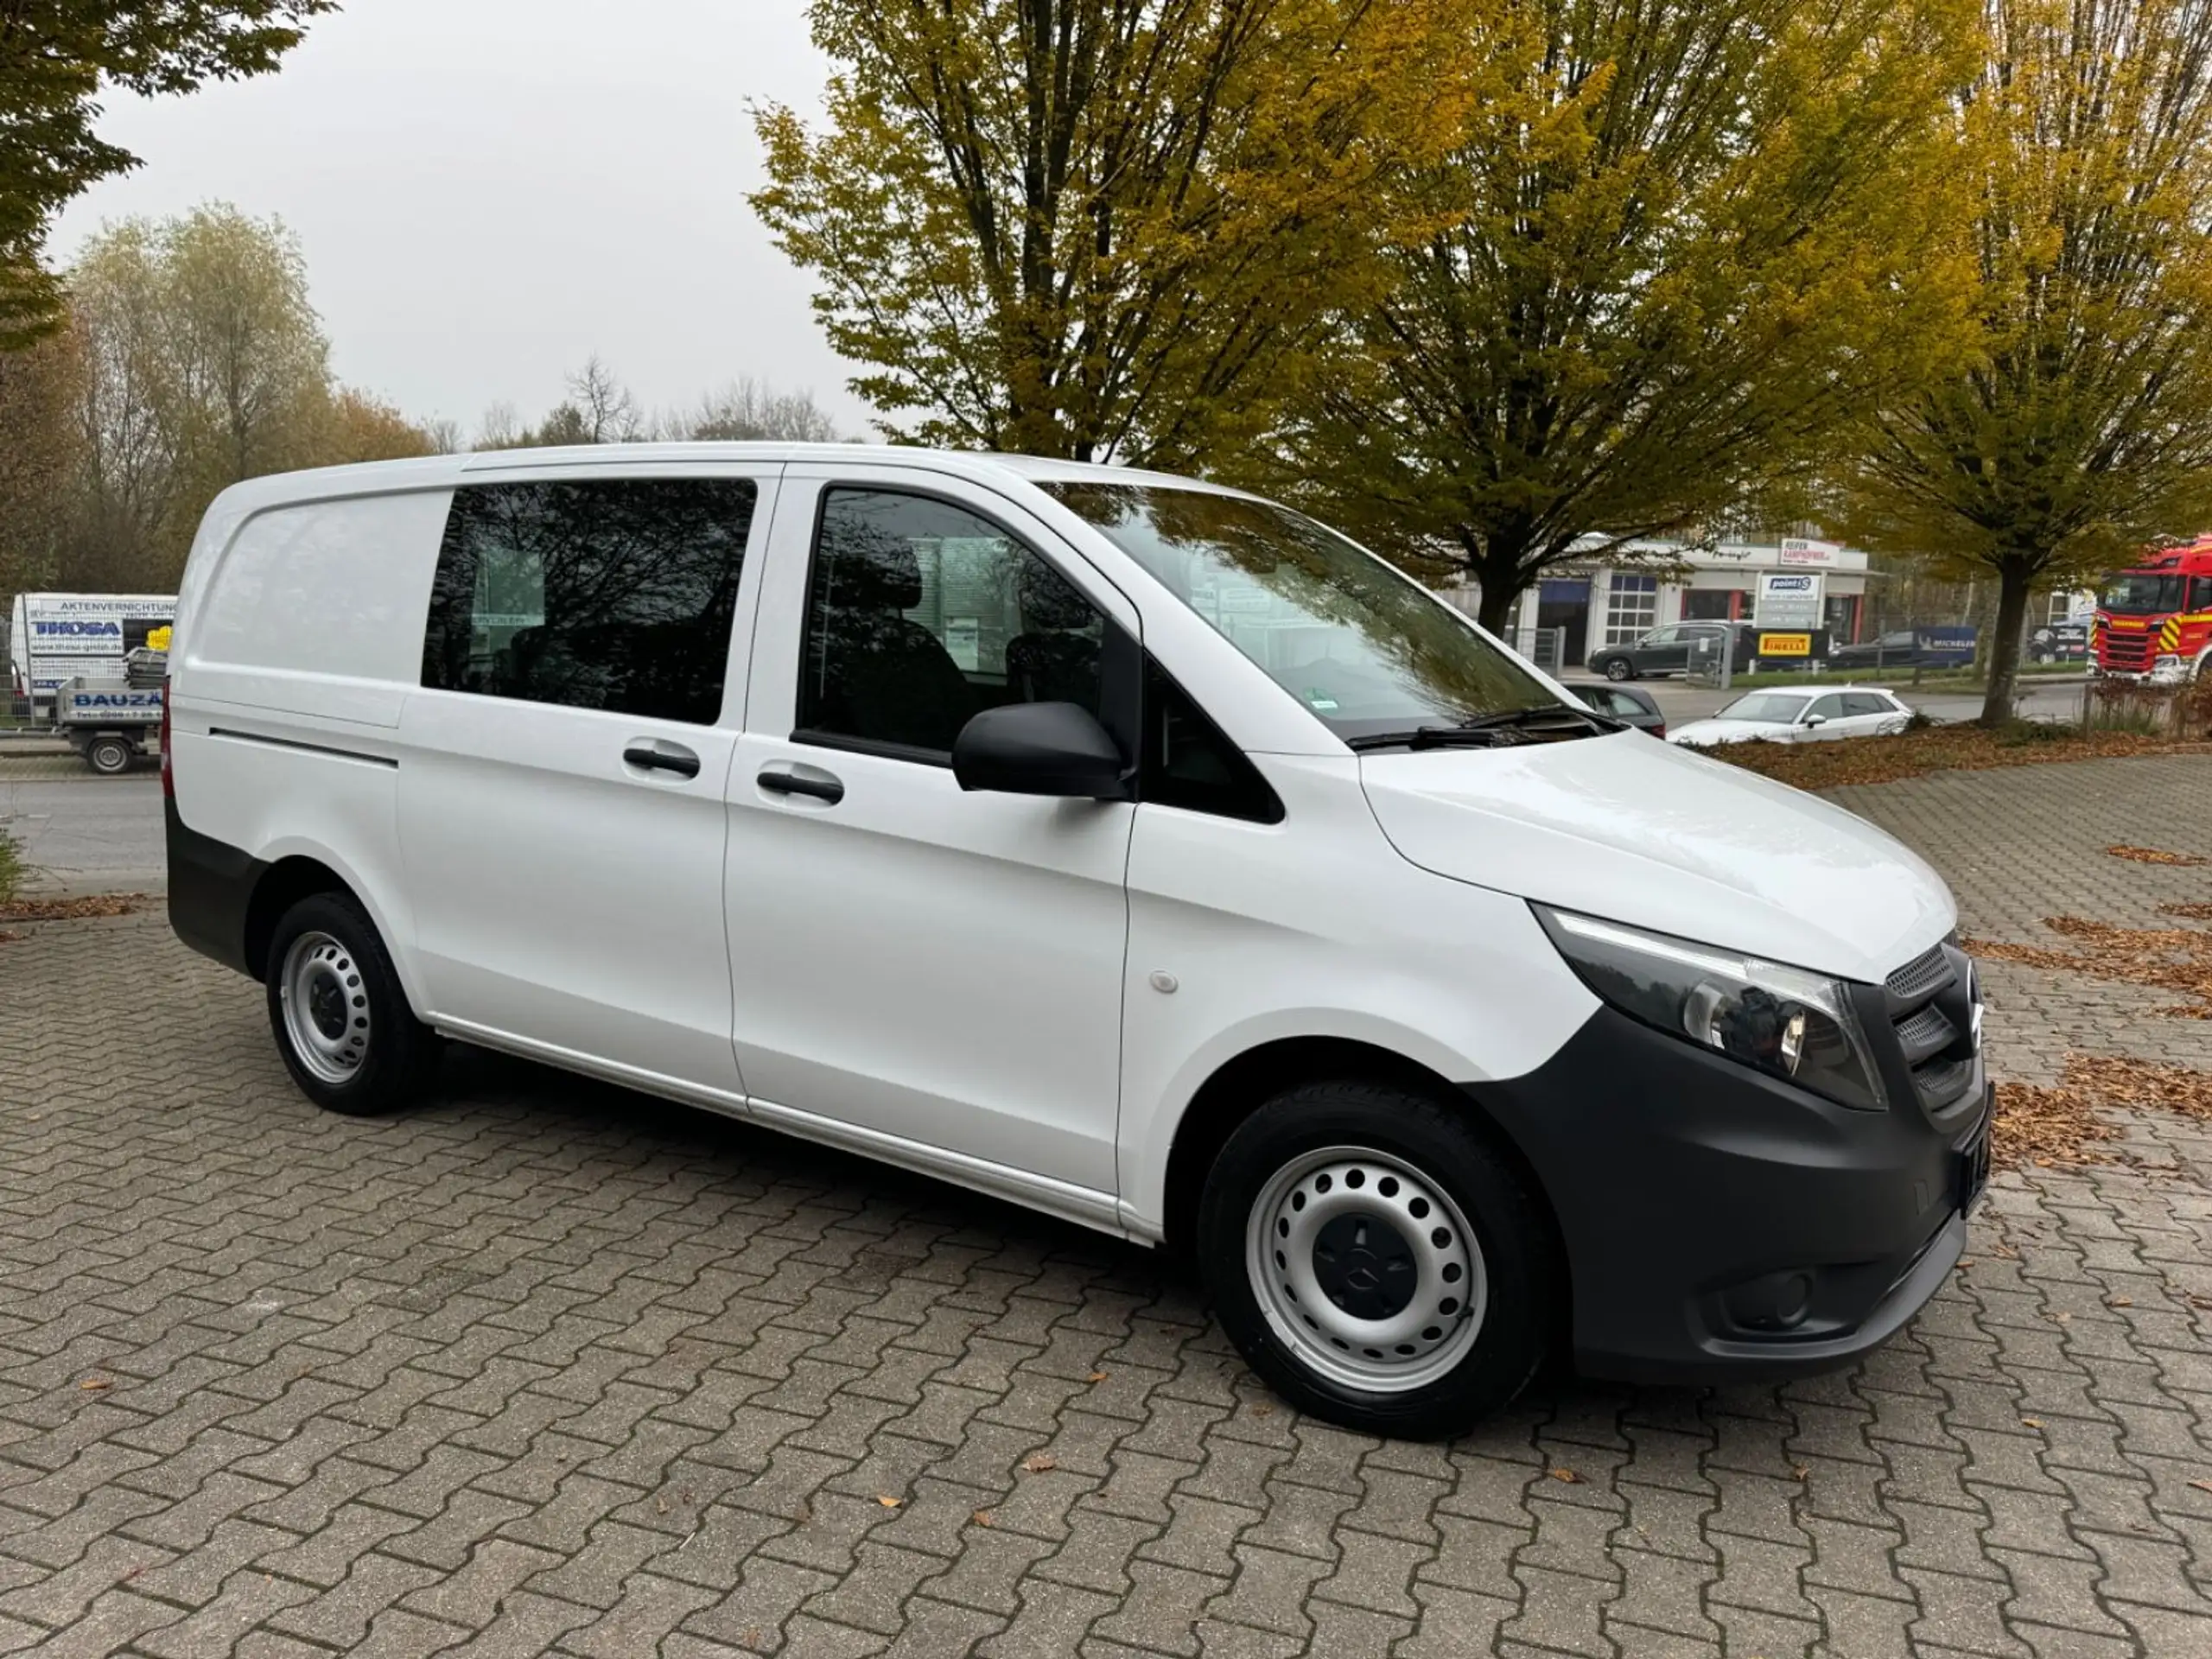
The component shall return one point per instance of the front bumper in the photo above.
(1721, 1225)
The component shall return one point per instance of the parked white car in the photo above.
(1795, 716)
(1122, 846)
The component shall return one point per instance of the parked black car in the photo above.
(1663, 651)
(1639, 709)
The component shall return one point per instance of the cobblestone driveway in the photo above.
(549, 1365)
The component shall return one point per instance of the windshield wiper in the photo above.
(1484, 731)
(1529, 716)
(1432, 737)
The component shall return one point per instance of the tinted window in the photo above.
(1865, 702)
(614, 593)
(1362, 648)
(920, 613)
(1663, 636)
(1189, 763)
(2200, 593)
(1827, 708)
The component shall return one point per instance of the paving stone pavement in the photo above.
(544, 1365)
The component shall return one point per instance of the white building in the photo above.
(1598, 605)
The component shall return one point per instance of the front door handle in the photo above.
(810, 781)
(657, 754)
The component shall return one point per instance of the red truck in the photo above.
(2154, 620)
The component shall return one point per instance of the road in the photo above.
(84, 834)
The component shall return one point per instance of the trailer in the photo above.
(54, 639)
(110, 721)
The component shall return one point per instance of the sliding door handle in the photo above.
(659, 755)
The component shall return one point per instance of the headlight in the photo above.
(1780, 1020)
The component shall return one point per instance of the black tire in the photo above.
(400, 1053)
(1619, 669)
(108, 755)
(1526, 1302)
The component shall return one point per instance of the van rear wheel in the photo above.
(339, 1016)
(1377, 1261)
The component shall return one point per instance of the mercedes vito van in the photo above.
(1123, 846)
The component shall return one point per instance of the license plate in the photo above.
(1974, 1161)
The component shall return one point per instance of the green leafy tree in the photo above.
(55, 58)
(1681, 249)
(2080, 430)
(1098, 228)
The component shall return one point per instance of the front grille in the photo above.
(2126, 651)
(1922, 975)
(1930, 1003)
(1925, 1033)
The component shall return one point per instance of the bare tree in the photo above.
(605, 409)
(750, 410)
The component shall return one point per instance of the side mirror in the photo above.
(1817, 720)
(1040, 749)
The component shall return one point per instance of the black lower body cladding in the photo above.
(211, 889)
(1724, 1226)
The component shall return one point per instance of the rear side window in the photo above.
(613, 594)
(1865, 702)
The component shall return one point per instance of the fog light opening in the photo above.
(1779, 1302)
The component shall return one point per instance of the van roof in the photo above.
(431, 472)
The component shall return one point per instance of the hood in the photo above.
(1659, 837)
(1723, 731)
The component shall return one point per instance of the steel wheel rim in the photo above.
(1425, 1291)
(326, 1018)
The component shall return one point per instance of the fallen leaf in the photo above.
(1099, 1377)
(2062, 1317)
(2032, 1423)
(660, 1505)
(1802, 1473)
(93, 1384)
(890, 1503)
(981, 1517)
(2153, 855)
(1965, 1261)
(2202, 1485)
(1263, 1411)
(1038, 1462)
(2121, 1301)
(1568, 1476)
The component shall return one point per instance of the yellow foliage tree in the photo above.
(2081, 428)
(1094, 228)
(1685, 245)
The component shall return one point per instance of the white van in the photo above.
(1121, 845)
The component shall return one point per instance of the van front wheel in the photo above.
(1377, 1262)
(340, 1017)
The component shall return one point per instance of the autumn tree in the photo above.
(39, 457)
(2081, 428)
(1102, 228)
(56, 56)
(1683, 246)
(202, 363)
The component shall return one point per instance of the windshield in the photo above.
(2142, 596)
(1781, 707)
(1364, 648)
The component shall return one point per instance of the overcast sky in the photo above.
(488, 191)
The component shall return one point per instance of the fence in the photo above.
(2177, 711)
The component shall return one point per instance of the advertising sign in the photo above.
(1785, 644)
(1788, 601)
(1795, 550)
